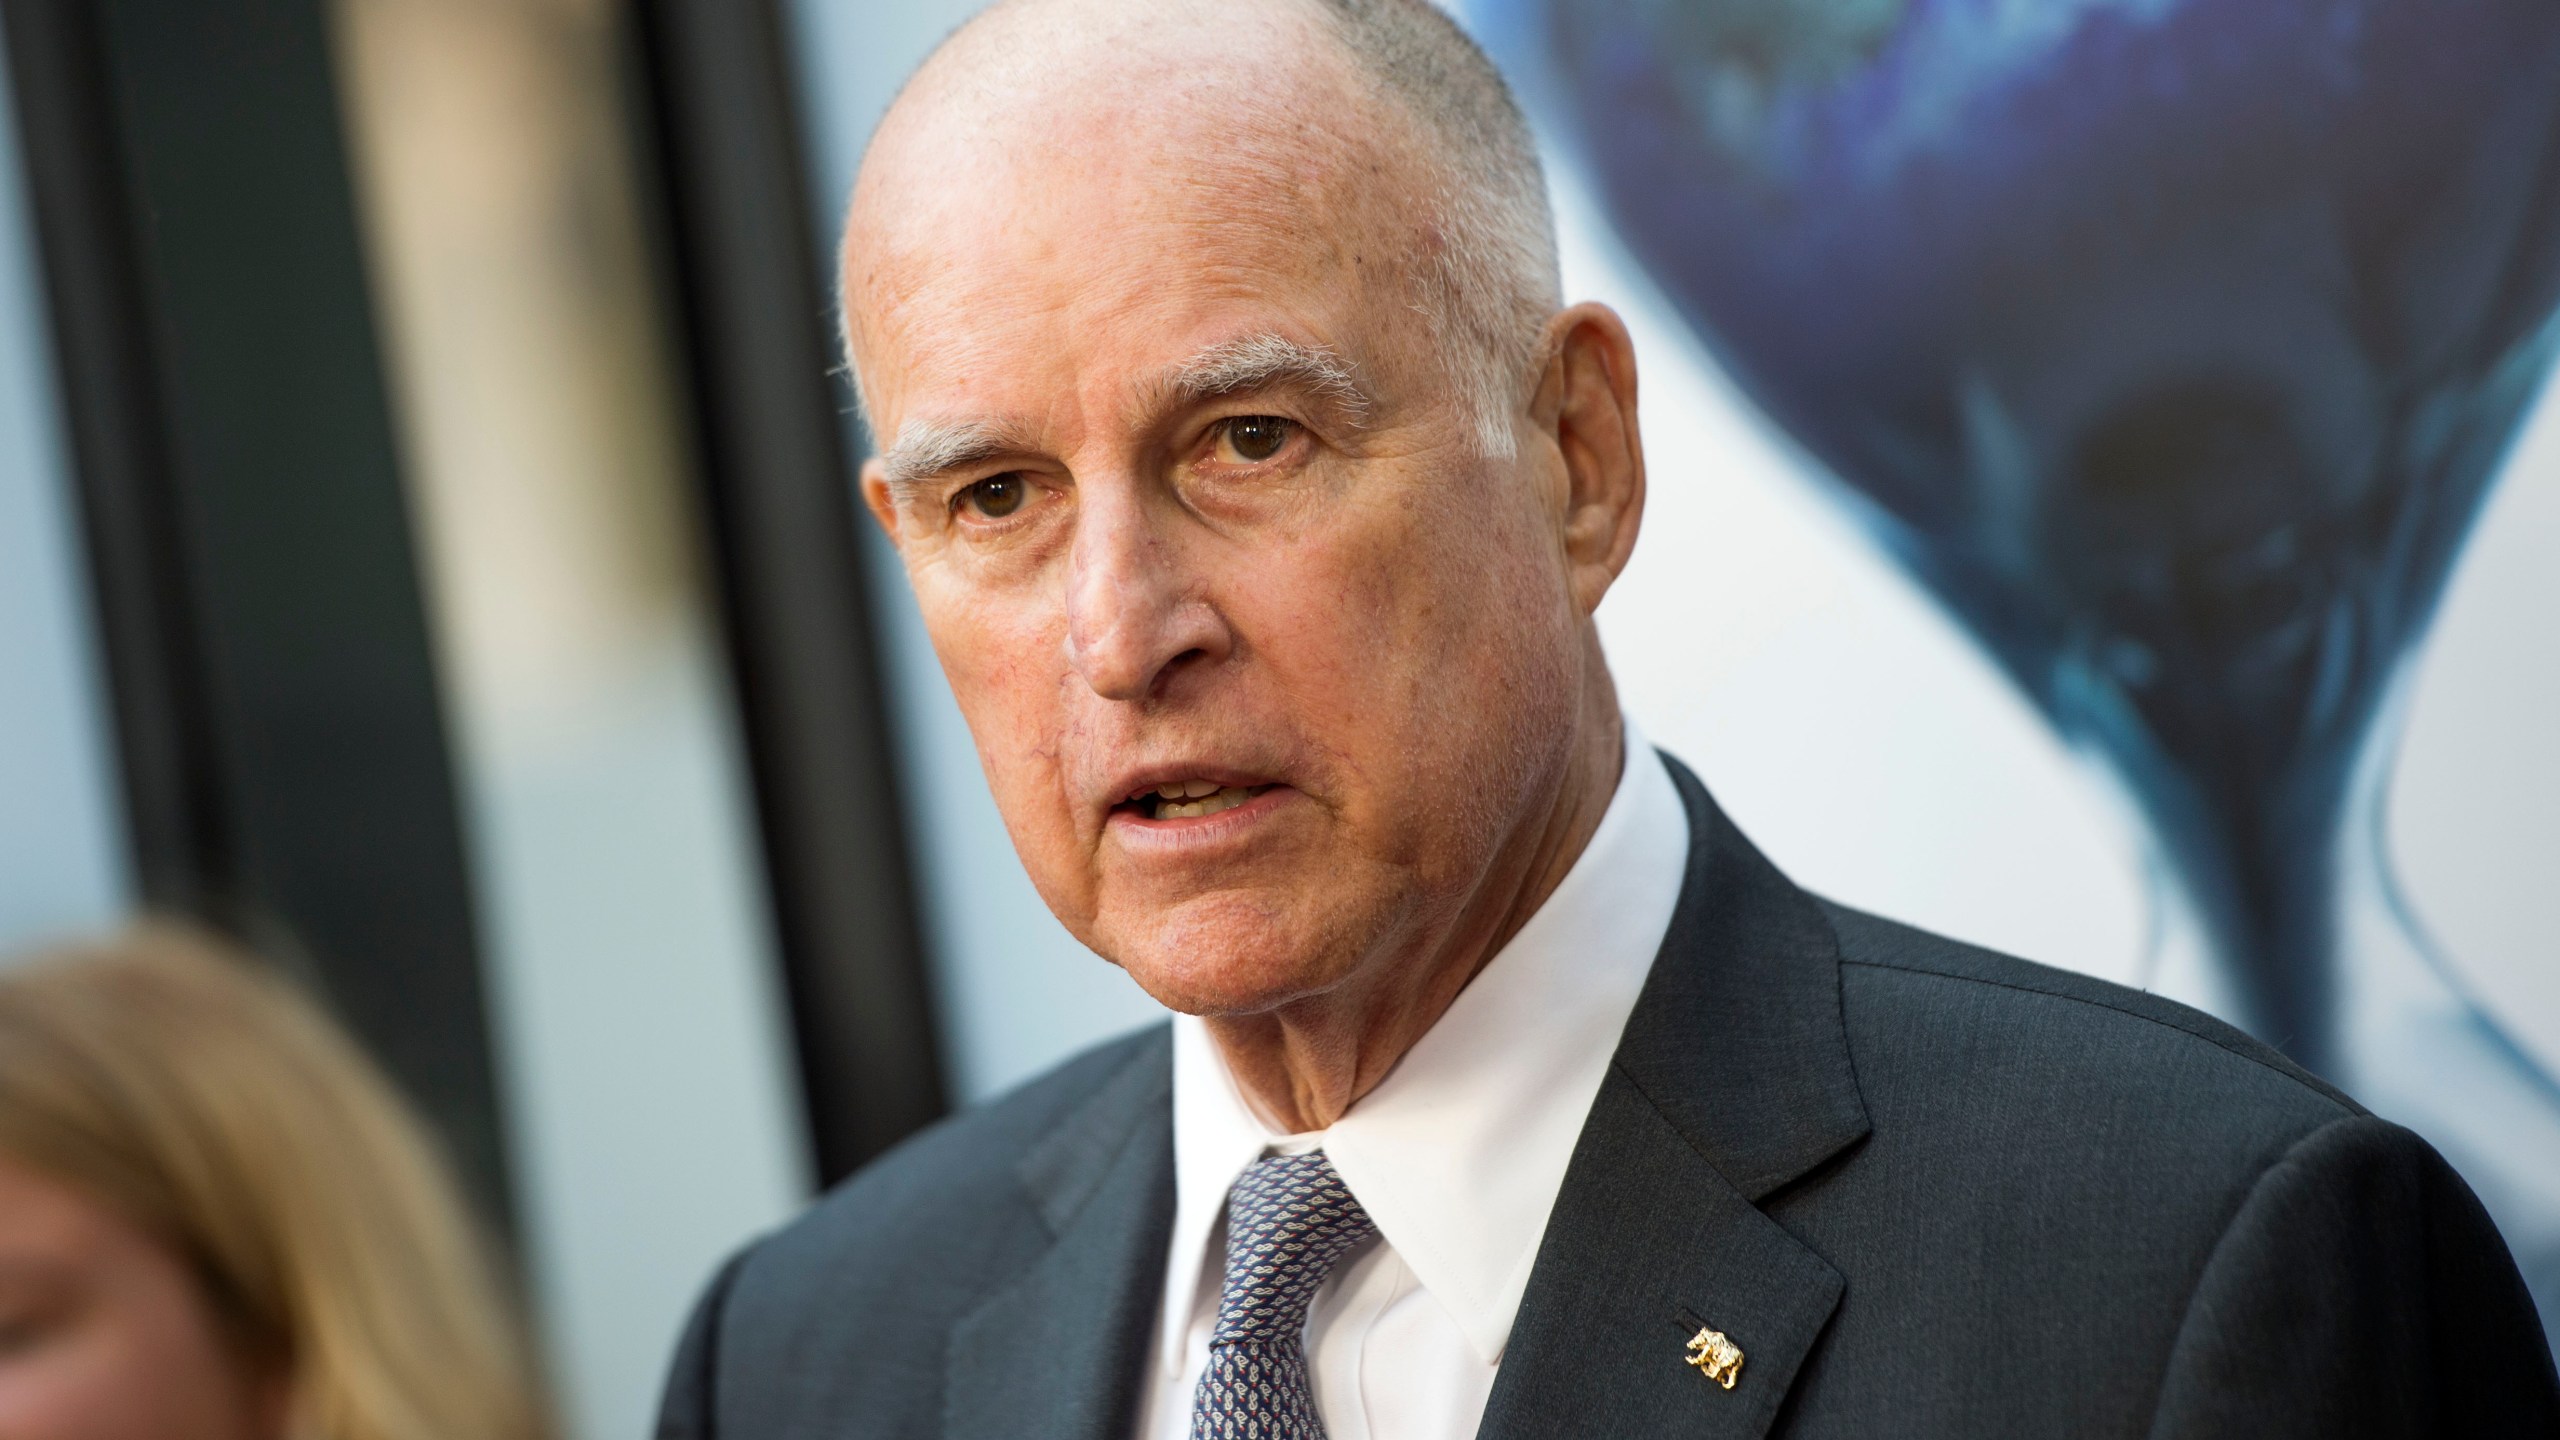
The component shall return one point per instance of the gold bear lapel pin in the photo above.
(1716, 1357)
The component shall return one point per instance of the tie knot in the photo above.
(1289, 1219)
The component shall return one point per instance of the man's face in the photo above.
(1193, 506)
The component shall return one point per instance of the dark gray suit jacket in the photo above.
(1928, 1190)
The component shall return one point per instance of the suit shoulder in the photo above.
(2116, 1040)
(846, 1310)
(961, 1172)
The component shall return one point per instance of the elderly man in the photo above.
(1257, 492)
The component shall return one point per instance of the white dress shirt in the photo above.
(1457, 1155)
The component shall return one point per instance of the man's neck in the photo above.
(1306, 1063)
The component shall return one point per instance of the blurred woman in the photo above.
(217, 1222)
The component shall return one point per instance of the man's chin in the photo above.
(1226, 984)
(1239, 966)
(1245, 951)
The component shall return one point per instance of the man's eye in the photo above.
(994, 497)
(1250, 439)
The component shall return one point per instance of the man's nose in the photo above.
(1135, 615)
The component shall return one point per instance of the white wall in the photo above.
(2474, 818)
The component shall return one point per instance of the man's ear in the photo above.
(1587, 400)
(875, 497)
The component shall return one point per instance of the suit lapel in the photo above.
(1732, 1080)
(1059, 1351)
(1648, 1243)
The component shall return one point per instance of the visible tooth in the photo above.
(1176, 812)
(1194, 789)
(1170, 790)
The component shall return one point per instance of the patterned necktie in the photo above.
(1289, 1218)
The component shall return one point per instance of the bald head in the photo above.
(1371, 126)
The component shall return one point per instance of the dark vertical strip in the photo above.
(780, 499)
(268, 645)
(101, 332)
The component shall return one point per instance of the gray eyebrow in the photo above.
(927, 448)
(1260, 362)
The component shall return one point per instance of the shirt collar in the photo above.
(1459, 1152)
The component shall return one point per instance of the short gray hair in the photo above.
(1494, 283)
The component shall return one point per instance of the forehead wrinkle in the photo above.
(1315, 189)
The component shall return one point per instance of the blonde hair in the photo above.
(201, 1097)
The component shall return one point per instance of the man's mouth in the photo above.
(1189, 799)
